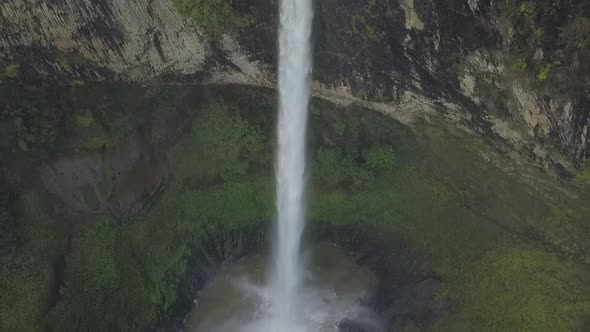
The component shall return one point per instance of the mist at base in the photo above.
(238, 299)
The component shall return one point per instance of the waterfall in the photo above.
(295, 66)
(296, 299)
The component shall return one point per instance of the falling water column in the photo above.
(295, 67)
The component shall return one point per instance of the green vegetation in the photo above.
(220, 145)
(30, 127)
(26, 274)
(528, 8)
(561, 30)
(576, 34)
(334, 168)
(123, 277)
(381, 159)
(212, 15)
(91, 277)
(524, 288)
(509, 9)
(84, 119)
(465, 218)
(12, 71)
(364, 24)
(584, 176)
(78, 83)
(38, 119)
(544, 73)
(521, 64)
(509, 252)
(359, 28)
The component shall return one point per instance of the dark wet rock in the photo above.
(403, 296)
(67, 177)
(350, 325)
(420, 302)
(208, 254)
(403, 292)
(404, 58)
(120, 179)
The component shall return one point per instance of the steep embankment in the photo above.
(512, 71)
(111, 187)
(452, 211)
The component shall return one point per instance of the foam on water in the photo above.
(240, 299)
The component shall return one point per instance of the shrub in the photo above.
(212, 15)
(528, 8)
(381, 159)
(576, 35)
(544, 73)
(362, 177)
(332, 167)
(509, 9)
(78, 83)
(221, 145)
(89, 138)
(521, 64)
(12, 71)
(515, 8)
(364, 24)
(33, 126)
(84, 119)
(584, 176)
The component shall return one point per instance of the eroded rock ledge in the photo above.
(462, 61)
(404, 296)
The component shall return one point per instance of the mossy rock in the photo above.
(213, 16)
(12, 71)
(584, 177)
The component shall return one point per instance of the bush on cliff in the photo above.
(212, 15)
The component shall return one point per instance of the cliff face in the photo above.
(512, 71)
(108, 39)
(479, 64)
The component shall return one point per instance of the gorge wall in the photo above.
(514, 72)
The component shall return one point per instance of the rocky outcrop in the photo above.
(120, 179)
(461, 60)
(106, 39)
(403, 296)
(457, 60)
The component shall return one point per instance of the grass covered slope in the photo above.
(123, 275)
(492, 235)
(509, 243)
(31, 246)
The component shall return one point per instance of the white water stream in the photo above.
(295, 66)
(298, 297)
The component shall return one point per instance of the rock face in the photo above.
(502, 71)
(120, 179)
(460, 60)
(129, 40)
